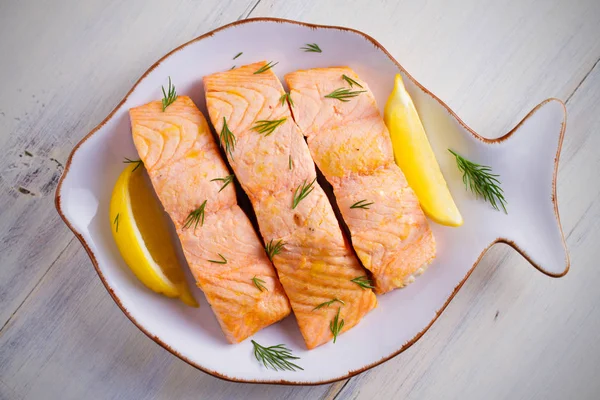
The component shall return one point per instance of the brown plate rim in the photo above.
(57, 201)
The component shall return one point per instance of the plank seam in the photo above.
(36, 285)
(581, 82)
(249, 12)
(581, 218)
(342, 388)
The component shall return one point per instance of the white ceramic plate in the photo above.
(526, 160)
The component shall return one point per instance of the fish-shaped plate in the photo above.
(526, 159)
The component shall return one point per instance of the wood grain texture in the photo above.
(510, 333)
(70, 341)
(490, 61)
(63, 70)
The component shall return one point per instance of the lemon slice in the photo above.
(415, 157)
(140, 228)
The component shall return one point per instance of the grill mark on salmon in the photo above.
(181, 157)
(316, 263)
(351, 146)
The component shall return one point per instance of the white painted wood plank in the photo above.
(65, 66)
(70, 341)
(512, 332)
(491, 61)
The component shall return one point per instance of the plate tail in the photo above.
(531, 152)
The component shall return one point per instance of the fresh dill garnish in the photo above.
(284, 97)
(223, 260)
(275, 357)
(302, 191)
(195, 217)
(273, 249)
(238, 54)
(343, 94)
(481, 181)
(265, 67)
(169, 96)
(311, 48)
(363, 282)
(227, 138)
(267, 127)
(351, 81)
(138, 162)
(335, 326)
(362, 204)
(232, 68)
(328, 303)
(259, 283)
(116, 223)
(290, 162)
(226, 181)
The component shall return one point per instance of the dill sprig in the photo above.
(259, 283)
(232, 68)
(311, 48)
(302, 191)
(238, 54)
(267, 127)
(290, 162)
(195, 217)
(227, 138)
(116, 223)
(223, 260)
(480, 180)
(363, 282)
(343, 94)
(226, 181)
(169, 96)
(362, 204)
(328, 303)
(335, 326)
(275, 357)
(284, 97)
(273, 249)
(138, 162)
(265, 67)
(351, 81)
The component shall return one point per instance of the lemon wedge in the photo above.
(415, 157)
(140, 228)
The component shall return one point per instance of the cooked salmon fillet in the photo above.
(316, 264)
(352, 147)
(183, 162)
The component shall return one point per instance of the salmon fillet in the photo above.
(183, 162)
(316, 264)
(352, 147)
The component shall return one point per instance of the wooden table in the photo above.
(511, 332)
